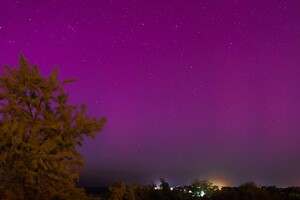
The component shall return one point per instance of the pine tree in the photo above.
(39, 133)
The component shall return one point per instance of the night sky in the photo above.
(191, 89)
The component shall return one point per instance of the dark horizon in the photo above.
(190, 89)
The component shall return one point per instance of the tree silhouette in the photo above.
(250, 191)
(39, 133)
(121, 191)
(203, 188)
(117, 191)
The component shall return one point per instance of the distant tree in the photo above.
(152, 192)
(164, 185)
(147, 192)
(274, 192)
(117, 191)
(203, 188)
(250, 191)
(226, 193)
(131, 192)
(166, 193)
(39, 133)
(121, 191)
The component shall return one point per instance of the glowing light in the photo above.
(202, 193)
(220, 183)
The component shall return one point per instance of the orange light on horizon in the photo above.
(220, 182)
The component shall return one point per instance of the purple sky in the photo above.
(191, 89)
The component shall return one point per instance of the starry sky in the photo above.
(204, 89)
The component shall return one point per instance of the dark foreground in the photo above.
(247, 191)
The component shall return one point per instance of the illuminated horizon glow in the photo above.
(196, 89)
(220, 183)
(220, 179)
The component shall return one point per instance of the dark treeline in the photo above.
(198, 190)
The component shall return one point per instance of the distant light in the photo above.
(202, 193)
(190, 191)
(171, 188)
(157, 187)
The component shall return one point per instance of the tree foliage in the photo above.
(121, 191)
(203, 188)
(39, 133)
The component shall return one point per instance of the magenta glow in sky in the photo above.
(191, 89)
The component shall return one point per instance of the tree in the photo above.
(164, 185)
(39, 133)
(117, 191)
(250, 191)
(121, 191)
(203, 188)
